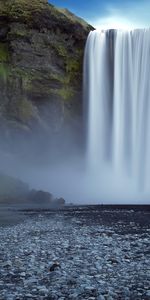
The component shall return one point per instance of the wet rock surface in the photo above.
(76, 253)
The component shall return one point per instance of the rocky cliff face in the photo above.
(41, 53)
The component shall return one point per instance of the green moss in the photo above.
(24, 73)
(73, 65)
(4, 71)
(4, 53)
(66, 93)
(24, 8)
(28, 76)
(63, 79)
(73, 69)
(25, 110)
(4, 7)
(21, 110)
(19, 33)
(61, 50)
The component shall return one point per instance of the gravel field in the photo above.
(77, 253)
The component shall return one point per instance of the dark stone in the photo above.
(40, 197)
(54, 266)
(60, 201)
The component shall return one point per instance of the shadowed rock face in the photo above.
(41, 53)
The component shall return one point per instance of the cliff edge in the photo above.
(41, 55)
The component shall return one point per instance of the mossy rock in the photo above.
(22, 110)
(41, 56)
(4, 72)
(25, 110)
(65, 93)
(4, 53)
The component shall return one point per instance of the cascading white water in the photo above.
(117, 102)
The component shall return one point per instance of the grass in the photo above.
(21, 8)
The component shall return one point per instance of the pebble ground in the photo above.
(79, 253)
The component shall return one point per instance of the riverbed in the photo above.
(76, 253)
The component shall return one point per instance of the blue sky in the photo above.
(110, 13)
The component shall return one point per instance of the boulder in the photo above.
(40, 197)
(59, 201)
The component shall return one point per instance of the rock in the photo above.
(113, 260)
(41, 55)
(29, 295)
(53, 275)
(59, 202)
(101, 297)
(148, 293)
(40, 197)
(54, 266)
(31, 281)
(43, 290)
(7, 264)
(22, 274)
(44, 198)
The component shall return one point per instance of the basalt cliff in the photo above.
(41, 55)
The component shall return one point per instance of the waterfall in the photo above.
(117, 106)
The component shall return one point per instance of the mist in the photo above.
(68, 175)
(105, 159)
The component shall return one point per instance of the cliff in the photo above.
(41, 54)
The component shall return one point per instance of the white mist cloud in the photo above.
(128, 16)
